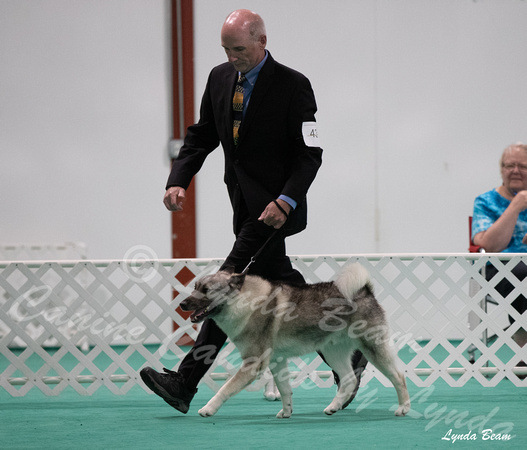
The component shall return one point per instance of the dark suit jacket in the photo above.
(271, 158)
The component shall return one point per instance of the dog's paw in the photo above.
(284, 414)
(206, 411)
(330, 410)
(334, 406)
(271, 392)
(403, 409)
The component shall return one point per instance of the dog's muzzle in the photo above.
(198, 314)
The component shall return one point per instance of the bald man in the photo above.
(272, 156)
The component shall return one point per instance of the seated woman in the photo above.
(499, 223)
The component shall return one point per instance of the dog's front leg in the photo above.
(280, 373)
(245, 376)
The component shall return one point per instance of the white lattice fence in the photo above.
(42, 252)
(88, 324)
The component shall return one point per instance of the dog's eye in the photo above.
(204, 290)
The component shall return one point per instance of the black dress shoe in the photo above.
(170, 386)
(358, 363)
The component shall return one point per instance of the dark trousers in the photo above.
(272, 264)
(504, 286)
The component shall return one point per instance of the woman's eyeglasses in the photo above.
(511, 167)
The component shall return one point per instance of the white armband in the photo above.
(310, 134)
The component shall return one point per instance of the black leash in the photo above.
(261, 249)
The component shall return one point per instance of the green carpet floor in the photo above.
(139, 420)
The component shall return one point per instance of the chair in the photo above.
(473, 319)
(472, 248)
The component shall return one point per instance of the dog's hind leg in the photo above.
(281, 377)
(271, 392)
(249, 371)
(383, 359)
(339, 359)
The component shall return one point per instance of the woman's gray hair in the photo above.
(510, 148)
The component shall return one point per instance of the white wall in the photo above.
(416, 98)
(84, 117)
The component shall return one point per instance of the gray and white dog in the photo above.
(270, 322)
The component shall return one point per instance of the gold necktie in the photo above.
(237, 106)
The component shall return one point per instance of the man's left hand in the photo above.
(272, 216)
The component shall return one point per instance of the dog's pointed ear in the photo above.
(236, 281)
(229, 269)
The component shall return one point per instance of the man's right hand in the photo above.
(174, 198)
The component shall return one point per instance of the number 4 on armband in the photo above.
(310, 134)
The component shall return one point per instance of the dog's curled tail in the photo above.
(351, 279)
